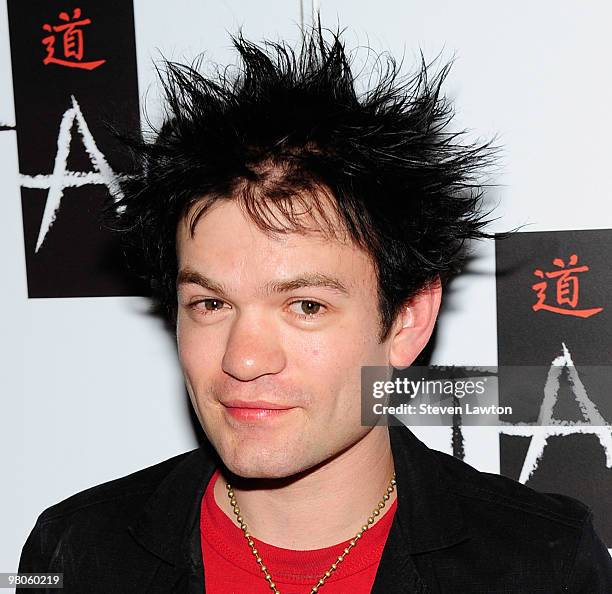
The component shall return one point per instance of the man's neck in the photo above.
(323, 507)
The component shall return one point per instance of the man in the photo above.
(295, 231)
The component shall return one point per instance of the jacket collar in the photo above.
(428, 517)
(428, 513)
(171, 514)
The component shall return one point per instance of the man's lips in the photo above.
(254, 410)
(260, 404)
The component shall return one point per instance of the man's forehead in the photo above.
(312, 213)
(222, 237)
(227, 247)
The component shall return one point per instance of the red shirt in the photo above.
(231, 568)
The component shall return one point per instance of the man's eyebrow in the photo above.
(314, 279)
(186, 276)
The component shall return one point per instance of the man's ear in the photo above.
(414, 326)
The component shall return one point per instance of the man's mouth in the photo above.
(255, 410)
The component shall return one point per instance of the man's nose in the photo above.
(253, 349)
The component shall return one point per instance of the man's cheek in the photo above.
(193, 340)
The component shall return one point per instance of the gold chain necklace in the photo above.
(334, 565)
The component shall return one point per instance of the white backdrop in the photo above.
(91, 389)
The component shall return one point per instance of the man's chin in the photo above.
(248, 470)
(262, 466)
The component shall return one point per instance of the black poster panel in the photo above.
(554, 309)
(74, 71)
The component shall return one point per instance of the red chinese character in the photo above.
(72, 42)
(568, 289)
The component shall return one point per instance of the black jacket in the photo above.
(456, 530)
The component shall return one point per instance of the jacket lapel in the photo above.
(169, 525)
(427, 518)
(396, 572)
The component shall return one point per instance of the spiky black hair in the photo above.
(287, 132)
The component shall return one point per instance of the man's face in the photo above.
(274, 322)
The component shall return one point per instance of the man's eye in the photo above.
(207, 305)
(306, 308)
